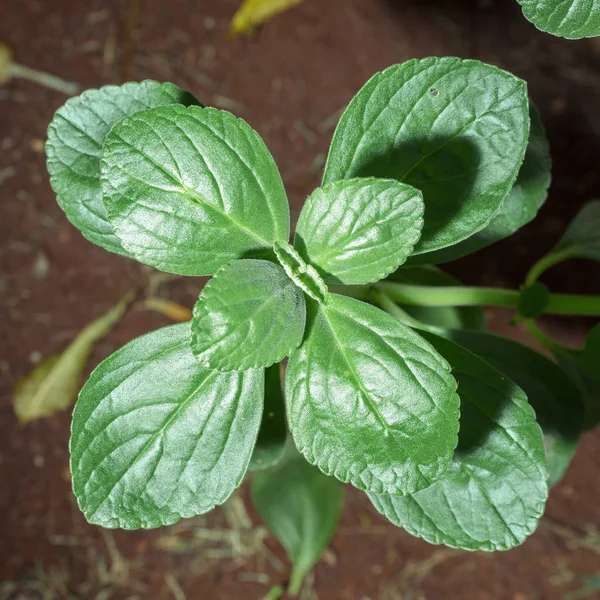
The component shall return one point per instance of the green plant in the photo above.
(393, 383)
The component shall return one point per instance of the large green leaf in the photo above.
(272, 436)
(156, 437)
(188, 190)
(555, 399)
(520, 207)
(302, 507)
(455, 129)
(74, 148)
(495, 489)
(369, 401)
(442, 317)
(358, 231)
(572, 19)
(250, 314)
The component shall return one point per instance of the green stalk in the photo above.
(544, 264)
(418, 295)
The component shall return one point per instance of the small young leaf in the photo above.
(253, 13)
(250, 314)
(304, 275)
(495, 489)
(357, 231)
(188, 189)
(582, 237)
(156, 437)
(555, 399)
(571, 19)
(270, 444)
(533, 300)
(442, 317)
(302, 507)
(369, 401)
(54, 383)
(455, 129)
(520, 207)
(74, 148)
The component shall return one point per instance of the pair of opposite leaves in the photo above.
(188, 190)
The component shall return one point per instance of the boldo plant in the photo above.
(392, 383)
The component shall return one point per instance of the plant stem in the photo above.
(389, 306)
(543, 265)
(545, 340)
(558, 304)
(50, 81)
(296, 581)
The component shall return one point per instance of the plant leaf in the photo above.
(571, 19)
(442, 317)
(555, 399)
(53, 384)
(156, 437)
(369, 401)
(582, 237)
(455, 129)
(250, 314)
(520, 207)
(302, 507)
(74, 148)
(270, 444)
(582, 368)
(253, 13)
(494, 492)
(358, 231)
(190, 189)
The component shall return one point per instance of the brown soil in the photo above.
(289, 81)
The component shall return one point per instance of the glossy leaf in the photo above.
(188, 189)
(494, 492)
(442, 317)
(53, 384)
(555, 399)
(302, 507)
(253, 13)
(520, 207)
(455, 129)
(572, 19)
(156, 437)
(358, 231)
(74, 149)
(369, 401)
(250, 314)
(270, 444)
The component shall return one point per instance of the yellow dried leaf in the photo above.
(255, 12)
(53, 384)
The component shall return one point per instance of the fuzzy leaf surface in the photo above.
(455, 129)
(74, 149)
(571, 19)
(495, 489)
(156, 437)
(188, 189)
(520, 207)
(250, 314)
(357, 231)
(556, 400)
(369, 401)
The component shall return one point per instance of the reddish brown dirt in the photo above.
(288, 81)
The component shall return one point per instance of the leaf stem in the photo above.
(542, 265)
(418, 295)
